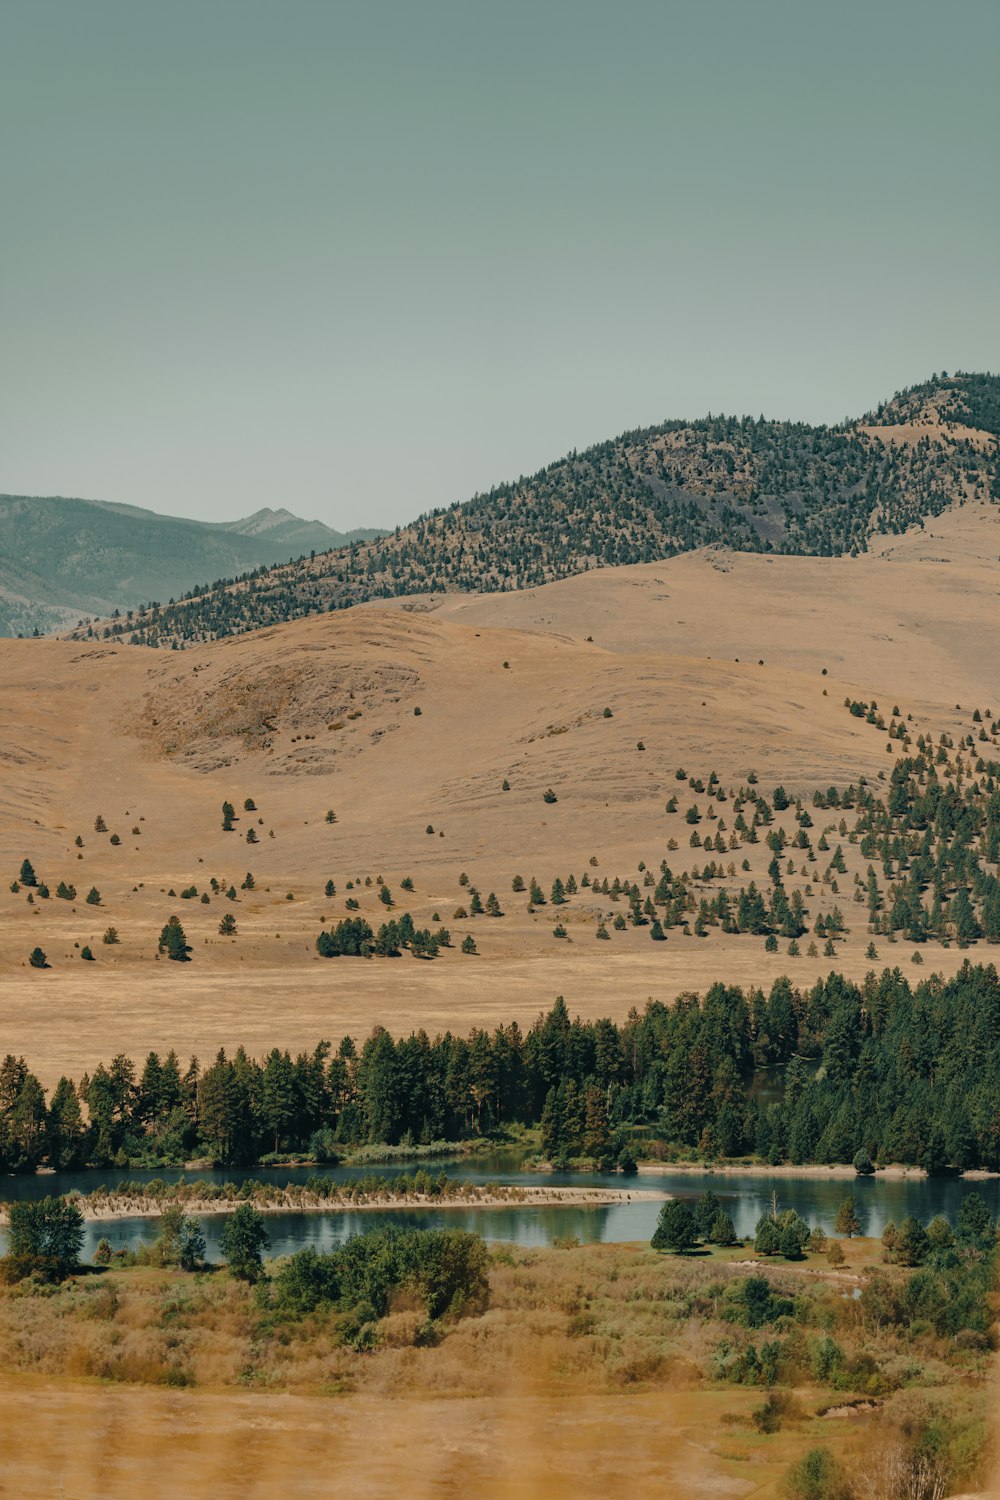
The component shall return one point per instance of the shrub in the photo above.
(447, 1268)
(753, 1304)
(817, 1476)
(180, 1241)
(45, 1237)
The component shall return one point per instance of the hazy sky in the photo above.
(362, 259)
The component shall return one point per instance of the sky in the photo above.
(365, 259)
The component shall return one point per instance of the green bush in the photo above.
(817, 1476)
(447, 1268)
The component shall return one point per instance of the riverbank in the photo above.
(894, 1172)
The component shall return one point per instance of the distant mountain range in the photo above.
(61, 559)
(743, 482)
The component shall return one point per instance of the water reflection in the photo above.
(744, 1198)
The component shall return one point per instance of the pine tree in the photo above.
(967, 929)
(173, 942)
(847, 1221)
(675, 1229)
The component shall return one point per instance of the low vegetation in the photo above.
(780, 1352)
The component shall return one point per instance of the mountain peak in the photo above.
(62, 558)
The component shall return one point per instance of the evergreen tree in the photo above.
(676, 1229)
(847, 1222)
(173, 941)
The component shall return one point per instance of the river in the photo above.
(744, 1198)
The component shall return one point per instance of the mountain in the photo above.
(746, 483)
(62, 558)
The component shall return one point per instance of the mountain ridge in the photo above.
(62, 557)
(753, 484)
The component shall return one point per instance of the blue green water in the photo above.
(744, 1198)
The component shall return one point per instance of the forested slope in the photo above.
(747, 483)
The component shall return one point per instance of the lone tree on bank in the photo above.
(676, 1229)
(243, 1240)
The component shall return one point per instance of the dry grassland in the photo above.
(322, 714)
(590, 1374)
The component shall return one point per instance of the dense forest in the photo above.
(744, 482)
(891, 1071)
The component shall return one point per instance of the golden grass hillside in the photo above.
(407, 724)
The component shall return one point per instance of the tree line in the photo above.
(899, 1072)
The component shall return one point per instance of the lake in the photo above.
(816, 1198)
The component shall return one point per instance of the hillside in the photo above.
(63, 558)
(434, 739)
(751, 485)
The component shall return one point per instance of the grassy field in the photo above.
(589, 1364)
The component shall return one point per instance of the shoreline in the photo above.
(513, 1197)
(894, 1172)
